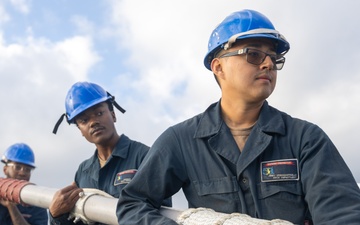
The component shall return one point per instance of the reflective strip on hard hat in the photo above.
(233, 38)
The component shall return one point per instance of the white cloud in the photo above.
(22, 6)
(77, 56)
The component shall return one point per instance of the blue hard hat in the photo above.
(80, 97)
(20, 153)
(243, 25)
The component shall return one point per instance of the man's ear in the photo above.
(5, 170)
(217, 69)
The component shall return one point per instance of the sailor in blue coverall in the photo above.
(242, 155)
(116, 158)
(19, 160)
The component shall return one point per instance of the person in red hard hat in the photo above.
(116, 158)
(19, 161)
(241, 155)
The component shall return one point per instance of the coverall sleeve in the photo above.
(330, 189)
(161, 175)
(39, 217)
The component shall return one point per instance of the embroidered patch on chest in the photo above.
(279, 170)
(124, 177)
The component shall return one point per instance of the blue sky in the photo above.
(149, 54)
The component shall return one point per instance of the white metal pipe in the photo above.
(95, 205)
(95, 208)
(37, 195)
(99, 208)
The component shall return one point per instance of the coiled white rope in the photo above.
(205, 216)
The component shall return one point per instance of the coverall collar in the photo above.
(269, 121)
(120, 150)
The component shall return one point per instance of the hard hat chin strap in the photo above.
(116, 104)
(118, 107)
(58, 123)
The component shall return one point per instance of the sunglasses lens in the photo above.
(279, 63)
(255, 57)
(19, 168)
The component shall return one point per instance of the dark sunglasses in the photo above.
(257, 57)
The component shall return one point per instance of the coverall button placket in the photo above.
(244, 184)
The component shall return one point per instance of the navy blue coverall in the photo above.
(289, 169)
(117, 172)
(32, 214)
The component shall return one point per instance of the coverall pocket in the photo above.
(269, 189)
(216, 186)
(220, 194)
(282, 200)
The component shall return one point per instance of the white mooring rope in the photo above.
(205, 216)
